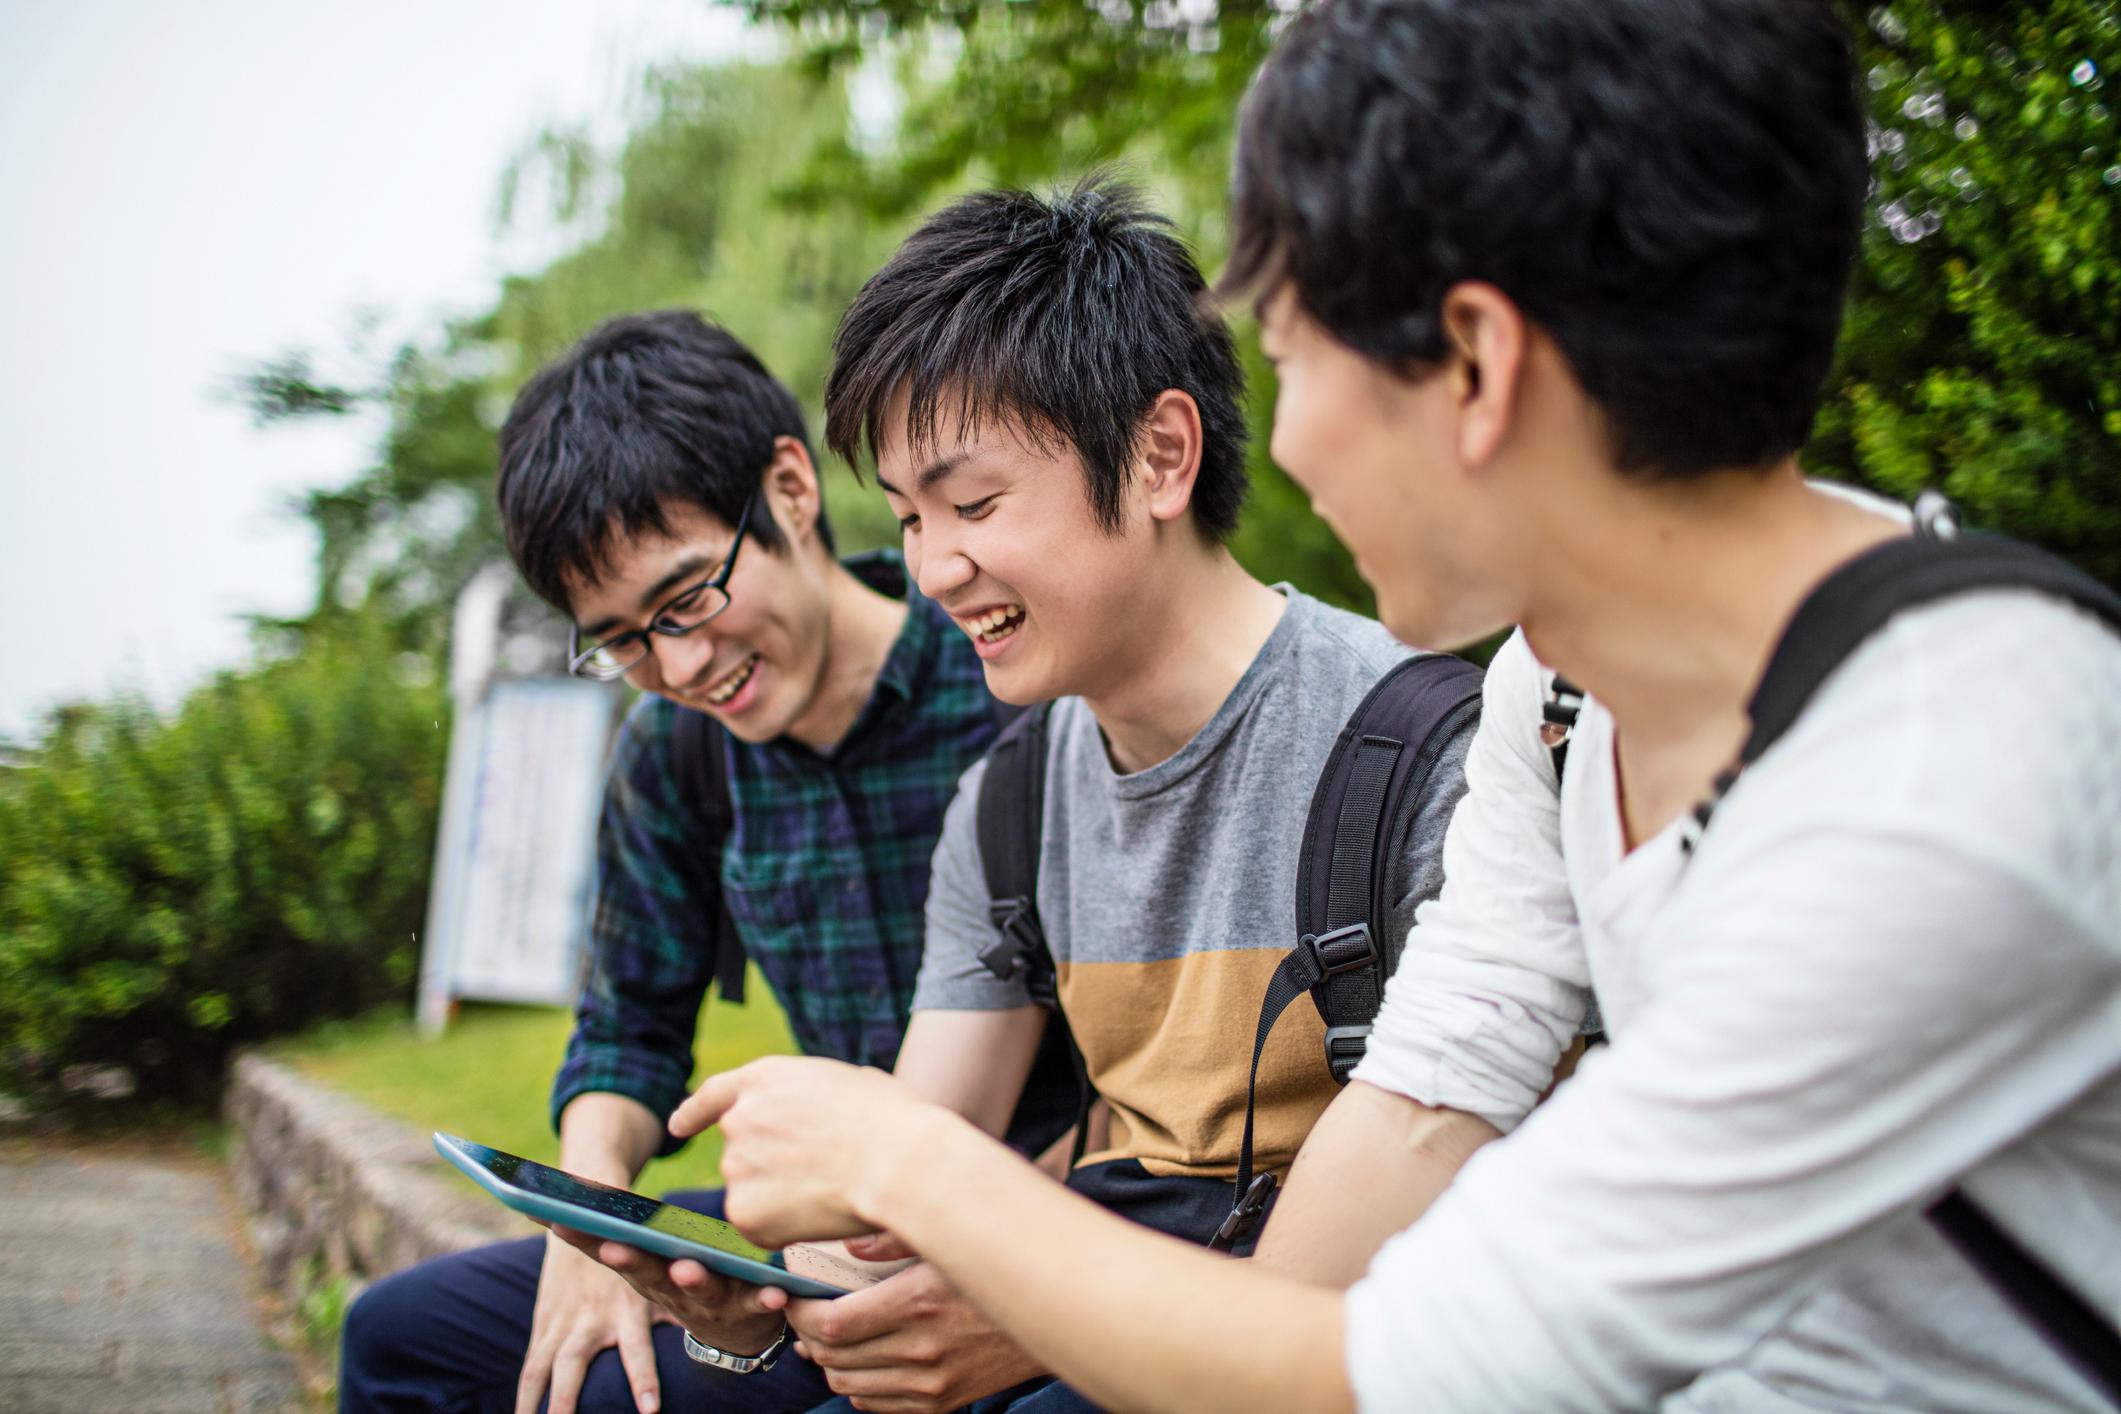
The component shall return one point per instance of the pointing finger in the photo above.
(707, 1104)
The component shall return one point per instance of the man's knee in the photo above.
(447, 1331)
(377, 1344)
(376, 1322)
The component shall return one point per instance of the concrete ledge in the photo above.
(332, 1188)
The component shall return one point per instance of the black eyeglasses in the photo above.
(686, 611)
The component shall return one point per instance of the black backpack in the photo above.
(1850, 605)
(1362, 808)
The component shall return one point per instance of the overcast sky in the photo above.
(190, 188)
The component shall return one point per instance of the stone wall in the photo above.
(333, 1189)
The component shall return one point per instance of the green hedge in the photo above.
(170, 887)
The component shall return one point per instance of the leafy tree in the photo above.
(1981, 350)
(398, 541)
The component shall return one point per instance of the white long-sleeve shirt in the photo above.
(1893, 962)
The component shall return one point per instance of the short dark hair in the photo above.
(647, 412)
(1672, 189)
(1067, 315)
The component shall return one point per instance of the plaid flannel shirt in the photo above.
(825, 872)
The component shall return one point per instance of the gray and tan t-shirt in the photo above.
(1169, 895)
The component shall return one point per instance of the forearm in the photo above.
(1372, 1165)
(608, 1137)
(973, 1062)
(1075, 1286)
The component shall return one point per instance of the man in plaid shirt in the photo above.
(844, 707)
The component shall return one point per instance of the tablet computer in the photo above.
(603, 1211)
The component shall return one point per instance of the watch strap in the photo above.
(706, 1354)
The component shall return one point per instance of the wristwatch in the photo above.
(707, 1354)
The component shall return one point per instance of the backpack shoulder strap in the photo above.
(1858, 599)
(1011, 827)
(2074, 1327)
(1558, 714)
(1372, 785)
(1373, 782)
(1862, 596)
(702, 771)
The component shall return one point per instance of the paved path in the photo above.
(121, 1289)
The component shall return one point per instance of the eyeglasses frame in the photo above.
(578, 657)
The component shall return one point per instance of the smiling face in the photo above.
(999, 531)
(756, 667)
(1383, 459)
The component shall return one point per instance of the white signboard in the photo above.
(509, 910)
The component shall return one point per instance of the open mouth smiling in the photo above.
(992, 625)
(727, 686)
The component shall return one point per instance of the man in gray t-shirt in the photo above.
(1065, 455)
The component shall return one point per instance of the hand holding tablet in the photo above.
(553, 1196)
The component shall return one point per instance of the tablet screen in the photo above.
(617, 1203)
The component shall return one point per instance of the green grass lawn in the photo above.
(488, 1077)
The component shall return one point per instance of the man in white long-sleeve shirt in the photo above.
(1890, 966)
(1894, 961)
(1552, 286)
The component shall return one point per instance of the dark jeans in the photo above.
(448, 1336)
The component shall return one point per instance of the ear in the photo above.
(1168, 452)
(790, 488)
(1486, 333)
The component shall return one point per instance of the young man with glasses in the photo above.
(657, 487)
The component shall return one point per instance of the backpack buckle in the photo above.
(1021, 950)
(1245, 1216)
(1345, 1046)
(1008, 957)
(1348, 949)
(1342, 950)
(1558, 714)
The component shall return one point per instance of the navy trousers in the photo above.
(448, 1336)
